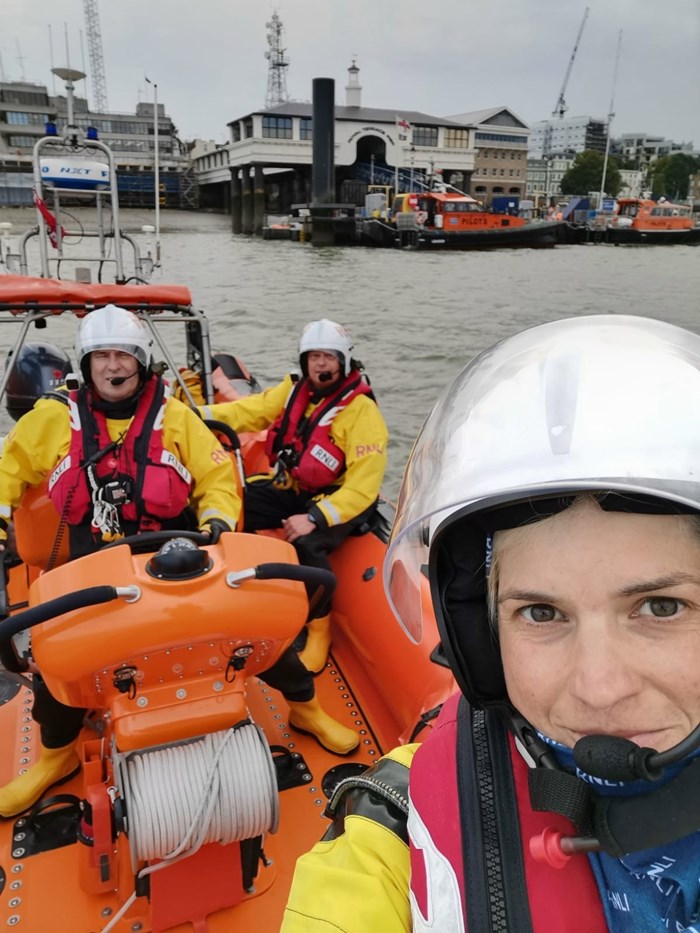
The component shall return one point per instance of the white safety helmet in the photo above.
(326, 335)
(113, 328)
(605, 404)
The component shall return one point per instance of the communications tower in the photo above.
(97, 62)
(277, 70)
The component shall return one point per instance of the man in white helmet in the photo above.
(327, 443)
(119, 458)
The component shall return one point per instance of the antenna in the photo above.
(20, 59)
(97, 63)
(611, 114)
(53, 77)
(277, 70)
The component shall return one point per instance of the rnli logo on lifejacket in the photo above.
(58, 472)
(168, 459)
(318, 453)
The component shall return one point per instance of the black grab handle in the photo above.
(313, 576)
(320, 581)
(80, 599)
(222, 428)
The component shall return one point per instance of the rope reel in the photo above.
(221, 787)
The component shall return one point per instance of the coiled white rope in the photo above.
(220, 788)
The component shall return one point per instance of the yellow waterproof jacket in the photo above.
(359, 430)
(357, 882)
(41, 438)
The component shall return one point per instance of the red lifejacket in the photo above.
(159, 485)
(305, 445)
(561, 900)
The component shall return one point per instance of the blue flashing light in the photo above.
(50, 129)
(91, 133)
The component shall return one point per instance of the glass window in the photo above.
(500, 138)
(277, 127)
(22, 140)
(24, 97)
(425, 136)
(248, 128)
(455, 139)
(305, 128)
(235, 132)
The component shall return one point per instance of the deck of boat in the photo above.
(38, 890)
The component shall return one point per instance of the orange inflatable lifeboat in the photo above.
(195, 796)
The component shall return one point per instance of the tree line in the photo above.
(668, 176)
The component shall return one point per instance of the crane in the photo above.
(561, 108)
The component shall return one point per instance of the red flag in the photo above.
(49, 219)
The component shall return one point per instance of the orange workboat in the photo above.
(641, 220)
(195, 796)
(442, 219)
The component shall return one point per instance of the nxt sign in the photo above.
(372, 129)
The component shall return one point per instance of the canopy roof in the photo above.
(21, 292)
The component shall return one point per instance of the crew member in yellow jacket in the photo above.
(120, 458)
(327, 443)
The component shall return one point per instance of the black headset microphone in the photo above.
(325, 377)
(120, 380)
(618, 759)
(619, 825)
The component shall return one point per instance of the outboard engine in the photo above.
(38, 368)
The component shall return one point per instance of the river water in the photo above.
(416, 318)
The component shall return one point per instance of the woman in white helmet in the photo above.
(119, 458)
(327, 444)
(553, 497)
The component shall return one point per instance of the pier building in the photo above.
(266, 165)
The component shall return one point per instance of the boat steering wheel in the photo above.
(152, 540)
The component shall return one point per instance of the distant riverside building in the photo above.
(632, 183)
(694, 189)
(544, 179)
(566, 136)
(271, 150)
(642, 148)
(501, 144)
(25, 108)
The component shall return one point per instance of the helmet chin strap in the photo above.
(614, 825)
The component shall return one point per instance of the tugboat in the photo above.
(195, 796)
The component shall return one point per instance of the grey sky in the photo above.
(448, 56)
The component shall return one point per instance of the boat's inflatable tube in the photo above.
(74, 172)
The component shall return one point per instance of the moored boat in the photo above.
(195, 795)
(452, 220)
(644, 221)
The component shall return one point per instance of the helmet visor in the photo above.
(592, 403)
